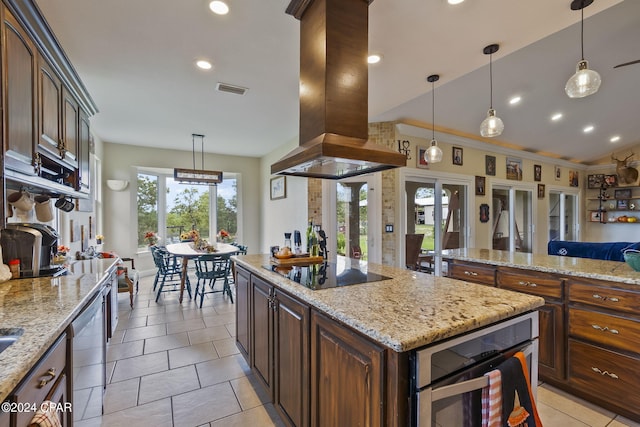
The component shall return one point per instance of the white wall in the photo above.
(121, 161)
(283, 215)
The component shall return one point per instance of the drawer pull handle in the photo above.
(610, 374)
(605, 329)
(530, 284)
(596, 296)
(47, 378)
(470, 273)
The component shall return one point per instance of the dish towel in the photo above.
(518, 406)
(492, 400)
(46, 416)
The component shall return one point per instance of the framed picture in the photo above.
(622, 204)
(622, 194)
(480, 184)
(540, 191)
(611, 180)
(514, 168)
(421, 162)
(596, 216)
(278, 187)
(537, 173)
(490, 165)
(573, 178)
(557, 173)
(457, 156)
(484, 212)
(595, 180)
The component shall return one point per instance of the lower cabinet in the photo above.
(242, 311)
(347, 372)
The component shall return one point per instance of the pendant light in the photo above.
(492, 125)
(433, 153)
(584, 82)
(197, 176)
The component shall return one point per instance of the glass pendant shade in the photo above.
(584, 82)
(492, 125)
(433, 153)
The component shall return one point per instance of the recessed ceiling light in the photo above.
(205, 65)
(455, 1)
(588, 129)
(374, 59)
(556, 117)
(615, 138)
(515, 100)
(219, 7)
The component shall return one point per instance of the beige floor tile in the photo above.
(168, 383)
(121, 395)
(145, 332)
(552, 417)
(185, 325)
(195, 353)
(231, 327)
(621, 421)
(249, 393)
(208, 334)
(220, 370)
(263, 416)
(173, 316)
(220, 319)
(117, 336)
(133, 322)
(124, 350)
(167, 342)
(140, 365)
(154, 414)
(146, 311)
(204, 405)
(579, 409)
(226, 347)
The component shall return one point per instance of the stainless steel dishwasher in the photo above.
(88, 356)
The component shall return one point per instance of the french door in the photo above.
(512, 209)
(563, 216)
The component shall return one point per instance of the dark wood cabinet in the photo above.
(70, 125)
(347, 372)
(242, 278)
(471, 272)
(262, 332)
(19, 102)
(84, 153)
(49, 109)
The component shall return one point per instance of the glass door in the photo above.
(563, 216)
(513, 219)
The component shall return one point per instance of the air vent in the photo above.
(224, 87)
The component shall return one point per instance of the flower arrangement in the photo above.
(99, 239)
(151, 238)
(190, 235)
(223, 236)
(63, 250)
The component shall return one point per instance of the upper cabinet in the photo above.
(19, 103)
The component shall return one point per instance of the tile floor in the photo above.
(177, 365)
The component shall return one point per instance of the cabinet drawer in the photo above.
(604, 297)
(608, 376)
(36, 386)
(541, 284)
(614, 331)
(477, 273)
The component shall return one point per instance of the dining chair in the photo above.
(172, 268)
(413, 246)
(128, 278)
(167, 274)
(209, 269)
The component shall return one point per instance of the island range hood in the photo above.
(334, 94)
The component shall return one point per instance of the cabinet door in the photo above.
(59, 396)
(19, 63)
(346, 376)
(49, 102)
(84, 145)
(292, 360)
(70, 128)
(242, 313)
(262, 332)
(551, 349)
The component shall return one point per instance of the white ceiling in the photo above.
(136, 59)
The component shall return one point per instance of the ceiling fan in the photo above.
(627, 63)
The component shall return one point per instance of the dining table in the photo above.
(187, 251)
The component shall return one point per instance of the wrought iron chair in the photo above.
(172, 268)
(209, 268)
(166, 274)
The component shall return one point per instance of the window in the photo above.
(168, 208)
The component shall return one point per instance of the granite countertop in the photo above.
(410, 310)
(43, 307)
(613, 271)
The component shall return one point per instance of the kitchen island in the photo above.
(361, 336)
(589, 325)
(42, 308)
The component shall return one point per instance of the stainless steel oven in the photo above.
(447, 378)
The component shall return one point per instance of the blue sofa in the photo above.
(611, 251)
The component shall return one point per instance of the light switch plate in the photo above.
(388, 228)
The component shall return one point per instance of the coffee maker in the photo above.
(34, 245)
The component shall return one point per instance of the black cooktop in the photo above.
(344, 272)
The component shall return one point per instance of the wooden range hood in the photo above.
(334, 94)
